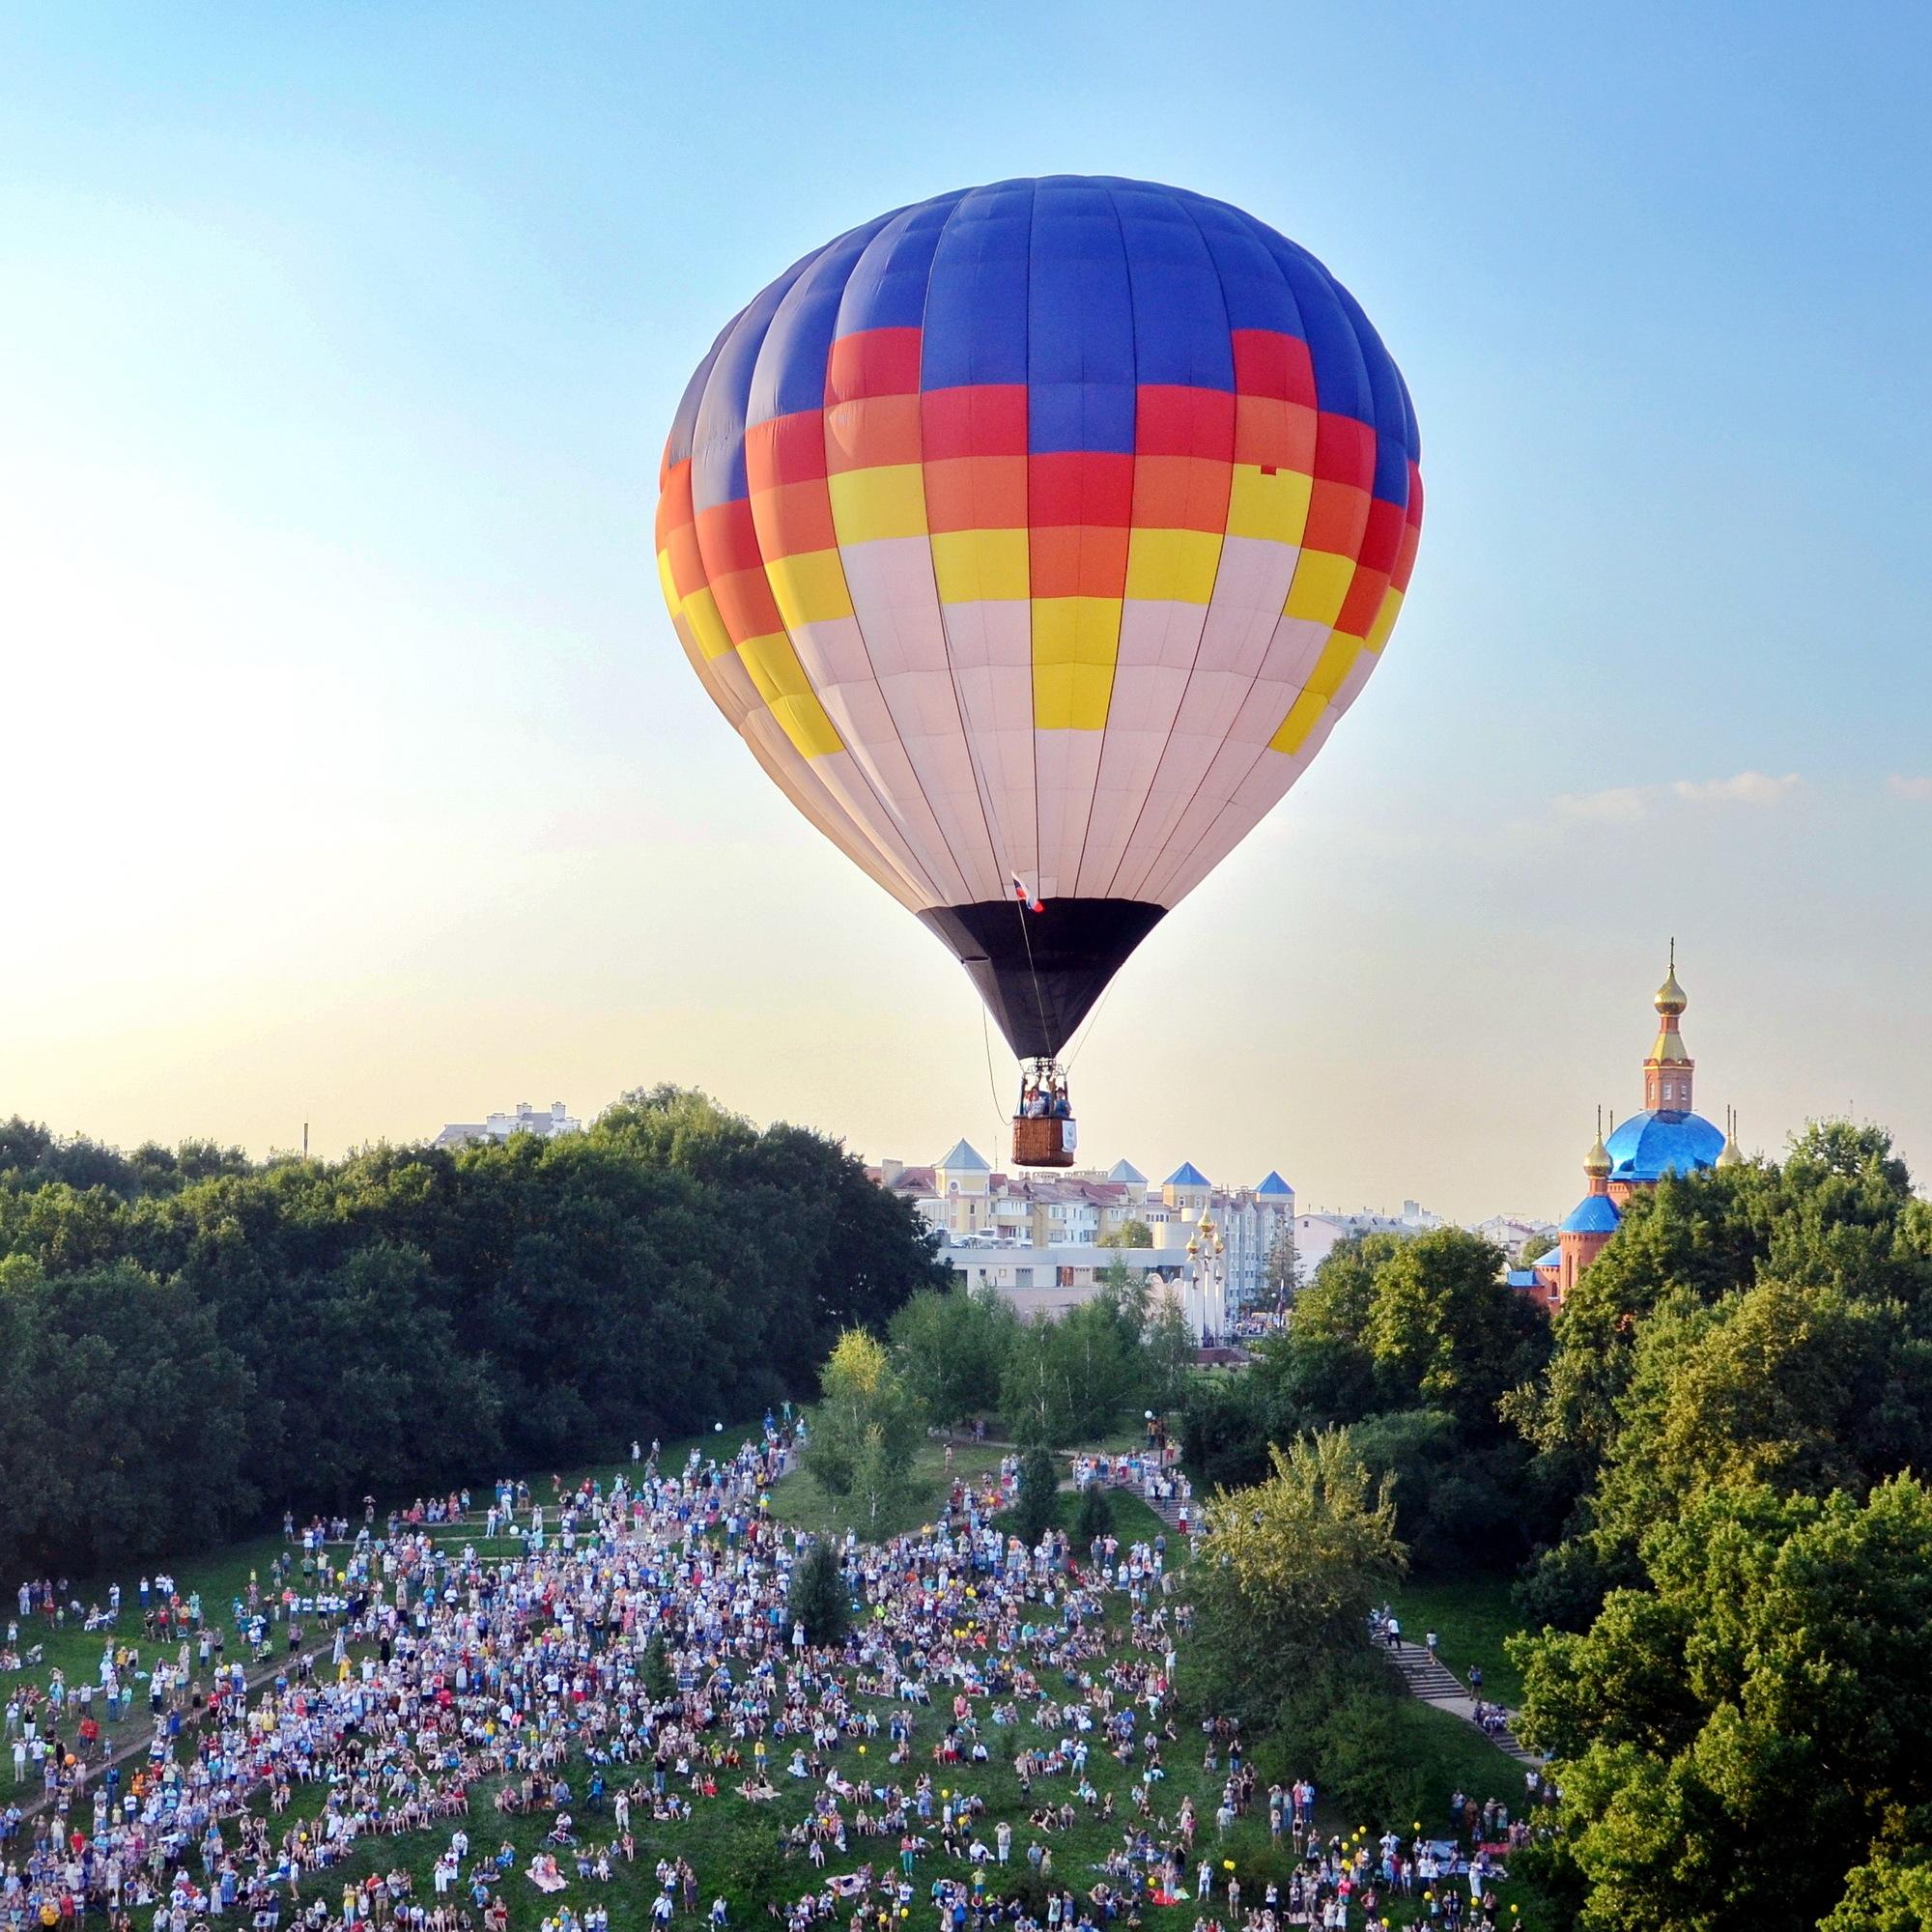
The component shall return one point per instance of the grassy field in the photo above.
(1471, 1616)
(728, 1841)
(798, 1499)
(732, 1843)
(68, 1648)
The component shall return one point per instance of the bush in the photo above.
(1038, 1507)
(750, 1868)
(817, 1597)
(1095, 1518)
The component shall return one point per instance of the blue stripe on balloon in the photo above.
(1340, 381)
(1080, 333)
(1391, 405)
(975, 330)
(1080, 288)
(718, 435)
(790, 372)
(1179, 317)
(684, 425)
(1253, 288)
(888, 285)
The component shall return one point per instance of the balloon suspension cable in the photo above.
(1033, 974)
(1085, 1031)
(992, 1085)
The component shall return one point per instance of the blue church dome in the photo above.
(1648, 1145)
(1594, 1214)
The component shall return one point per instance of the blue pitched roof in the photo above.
(1594, 1214)
(1274, 1185)
(1522, 1278)
(1126, 1171)
(965, 1158)
(1553, 1259)
(1186, 1175)
(1648, 1145)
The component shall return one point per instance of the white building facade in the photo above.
(526, 1120)
(1046, 1243)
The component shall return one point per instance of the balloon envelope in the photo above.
(1034, 538)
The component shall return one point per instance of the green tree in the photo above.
(1099, 1345)
(1893, 1893)
(409, 1317)
(1128, 1234)
(1758, 1324)
(1414, 1343)
(1170, 1350)
(1036, 1395)
(1446, 1331)
(865, 1431)
(1036, 1508)
(1341, 1294)
(952, 1347)
(123, 1420)
(1287, 1573)
(659, 1680)
(1072, 1379)
(1841, 1211)
(816, 1595)
(750, 1863)
(1735, 1741)
(1282, 1276)
(1095, 1518)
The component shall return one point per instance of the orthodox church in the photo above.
(1667, 1138)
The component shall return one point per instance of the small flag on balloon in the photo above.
(1025, 897)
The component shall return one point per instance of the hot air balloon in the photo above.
(1033, 537)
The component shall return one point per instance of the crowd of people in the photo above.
(1153, 1474)
(631, 1656)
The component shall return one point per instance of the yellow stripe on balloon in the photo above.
(808, 588)
(1075, 643)
(885, 502)
(981, 566)
(1172, 566)
(1338, 656)
(707, 626)
(1321, 581)
(1303, 718)
(1272, 504)
(787, 692)
(1378, 631)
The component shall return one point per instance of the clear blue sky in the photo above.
(357, 778)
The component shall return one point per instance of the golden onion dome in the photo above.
(1730, 1156)
(1670, 997)
(1598, 1159)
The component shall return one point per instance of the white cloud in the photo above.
(1619, 805)
(1747, 788)
(1625, 804)
(1901, 787)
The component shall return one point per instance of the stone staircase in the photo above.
(1435, 1683)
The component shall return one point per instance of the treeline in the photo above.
(1073, 1378)
(1739, 1404)
(1707, 1475)
(1410, 1345)
(189, 1340)
(952, 1356)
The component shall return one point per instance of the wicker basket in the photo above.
(1039, 1143)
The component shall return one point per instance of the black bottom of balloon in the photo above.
(1039, 972)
